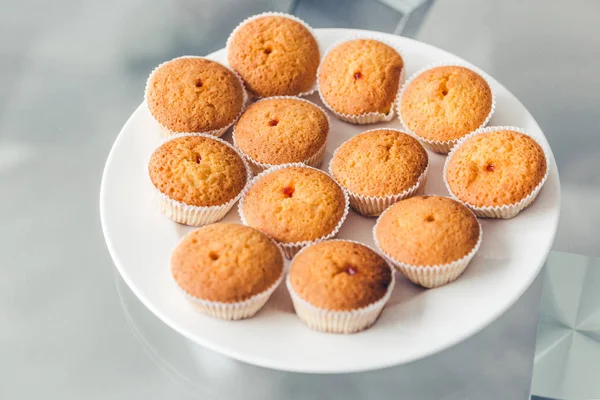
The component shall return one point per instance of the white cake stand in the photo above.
(416, 322)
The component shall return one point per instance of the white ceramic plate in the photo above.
(416, 322)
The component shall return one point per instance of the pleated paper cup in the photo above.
(275, 14)
(371, 206)
(290, 249)
(215, 132)
(439, 146)
(371, 117)
(233, 311)
(508, 210)
(192, 215)
(333, 321)
(313, 161)
(430, 276)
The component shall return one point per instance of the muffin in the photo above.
(430, 239)
(194, 95)
(228, 271)
(295, 205)
(359, 80)
(275, 54)
(339, 286)
(442, 104)
(198, 178)
(282, 130)
(496, 171)
(379, 167)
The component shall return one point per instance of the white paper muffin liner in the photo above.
(215, 132)
(198, 215)
(371, 206)
(371, 117)
(333, 321)
(237, 310)
(313, 161)
(290, 249)
(275, 14)
(508, 210)
(430, 276)
(436, 146)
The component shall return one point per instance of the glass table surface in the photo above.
(73, 71)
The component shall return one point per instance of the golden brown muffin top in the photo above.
(197, 170)
(275, 55)
(194, 95)
(294, 204)
(281, 130)
(446, 103)
(427, 230)
(496, 168)
(360, 76)
(379, 163)
(340, 275)
(226, 263)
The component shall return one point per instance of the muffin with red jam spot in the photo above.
(339, 286)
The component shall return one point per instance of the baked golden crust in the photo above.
(340, 275)
(379, 163)
(496, 168)
(194, 95)
(226, 263)
(198, 171)
(360, 76)
(275, 56)
(446, 103)
(427, 230)
(281, 130)
(294, 204)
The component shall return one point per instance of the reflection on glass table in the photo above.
(567, 353)
(500, 357)
(567, 358)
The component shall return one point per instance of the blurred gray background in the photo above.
(72, 72)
